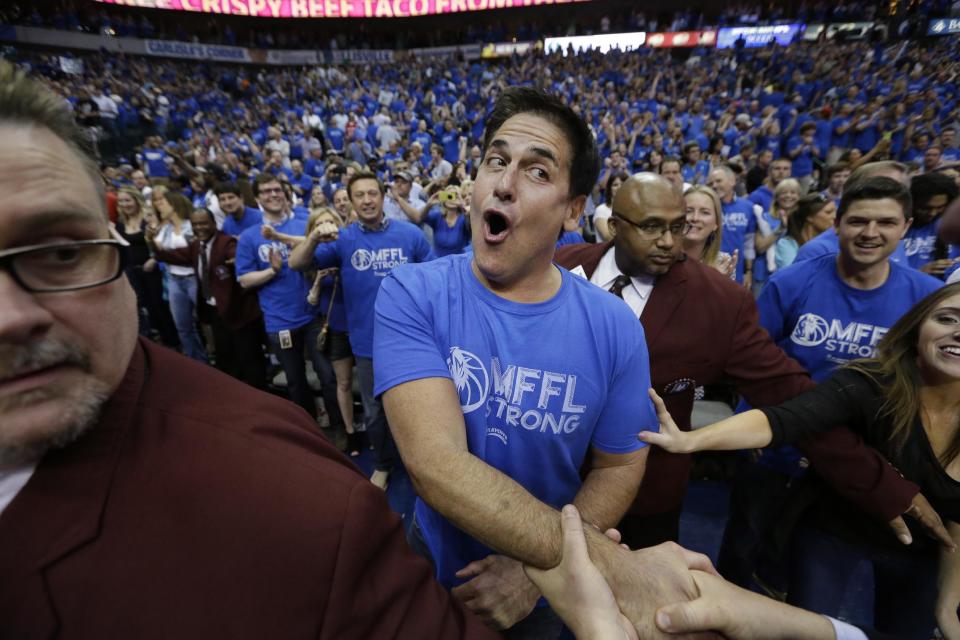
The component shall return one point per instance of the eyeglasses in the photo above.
(68, 266)
(655, 229)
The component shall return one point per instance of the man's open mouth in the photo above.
(496, 226)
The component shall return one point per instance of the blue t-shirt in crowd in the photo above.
(365, 257)
(827, 243)
(738, 222)
(450, 140)
(447, 239)
(696, 173)
(920, 244)
(538, 383)
(155, 159)
(760, 269)
(251, 218)
(283, 299)
(570, 237)
(763, 196)
(822, 322)
(803, 161)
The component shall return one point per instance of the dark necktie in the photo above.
(204, 273)
(618, 285)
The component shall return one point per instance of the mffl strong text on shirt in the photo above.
(515, 396)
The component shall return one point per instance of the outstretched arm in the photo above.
(749, 430)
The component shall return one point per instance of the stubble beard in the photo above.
(82, 403)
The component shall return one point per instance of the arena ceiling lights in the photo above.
(333, 8)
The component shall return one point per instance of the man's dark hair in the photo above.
(608, 188)
(808, 126)
(362, 175)
(262, 179)
(927, 185)
(228, 187)
(584, 159)
(836, 168)
(672, 159)
(687, 146)
(876, 188)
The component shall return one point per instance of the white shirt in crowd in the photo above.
(106, 105)
(393, 211)
(168, 239)
(12, 480)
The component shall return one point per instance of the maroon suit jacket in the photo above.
(180, 515)
(702, 328)
(236, 306)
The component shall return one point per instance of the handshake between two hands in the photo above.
(658, 592)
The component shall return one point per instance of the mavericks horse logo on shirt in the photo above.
(361, 259)
(810, 331)
(470, 377)
(382, 261)
(841, 341)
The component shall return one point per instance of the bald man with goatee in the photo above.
(701, 328)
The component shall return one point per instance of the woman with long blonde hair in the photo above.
(702, 242)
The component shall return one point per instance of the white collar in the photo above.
(607, 271)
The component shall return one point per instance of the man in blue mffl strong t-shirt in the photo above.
(832, 309)
(739, 223)
(291, 322)
(500, 372)
(365, 252)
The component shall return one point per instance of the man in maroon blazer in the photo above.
(143, 495)
(232, 311)
(702, 328)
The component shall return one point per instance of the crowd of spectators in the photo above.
(299, 171)
(483, 27)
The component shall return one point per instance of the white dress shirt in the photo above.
(12, 479)
(636, 294)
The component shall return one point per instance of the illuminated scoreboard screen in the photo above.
(333, 8)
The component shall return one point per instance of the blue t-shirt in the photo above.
(447, 239)
(738, 222)
(919, 243)
(803, 161)
(538, 383)
(365, 257)
(696, 173)
(762, 196)
(450, 140)
(155, 161)
(570, 237)
(822, 322)
(760, 269)
(827, 243)
(283, 299)
(251, 218)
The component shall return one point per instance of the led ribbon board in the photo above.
(332, 8)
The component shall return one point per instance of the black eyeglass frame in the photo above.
(8, 257)
(686, 228)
